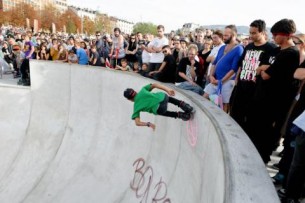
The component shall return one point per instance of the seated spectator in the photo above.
(43, 53)
(81, 54)
(36, 53)
(124, 66)
(6, 53)
(167, 70)
(63, 54)
(84, 46)
(54, 52)
(95, 59)
(143, 70)
(131, 51)
(188, 71)
(72, 57)
(136, 68)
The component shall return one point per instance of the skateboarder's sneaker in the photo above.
(186, 107)
(184, 116)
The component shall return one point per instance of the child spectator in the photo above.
(95, 59)
(124, 67)
(72, 58)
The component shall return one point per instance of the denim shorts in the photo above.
(226, 91)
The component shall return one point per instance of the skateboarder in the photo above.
(156, 103)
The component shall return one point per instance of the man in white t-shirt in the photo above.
(217, 38)
(155, 48)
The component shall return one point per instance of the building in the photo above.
(61, 5)
(84, 12)
(189, 27)
(124, 25)
(37, 4)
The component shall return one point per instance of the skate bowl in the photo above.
(70, 138)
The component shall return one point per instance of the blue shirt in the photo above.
(82, 56)
(225, 63)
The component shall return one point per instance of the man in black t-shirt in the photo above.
(167, 70)
(255, 57)
(275, 90)
(296, 177)
(188, 71)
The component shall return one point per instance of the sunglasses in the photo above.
(164, 52)
(132, 38)
(280, 34)
(296, 43)
(16, 49)
(97, 35)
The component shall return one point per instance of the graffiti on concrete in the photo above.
(143, 182)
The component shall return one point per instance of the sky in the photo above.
(174, 13)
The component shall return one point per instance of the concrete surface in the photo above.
(69, 138)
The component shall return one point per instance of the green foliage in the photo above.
(145, 28)
(71, 27)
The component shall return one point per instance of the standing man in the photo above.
(255, 57)
(117, 51)
(155, 103)
(155, 48)
(141, 42)
(225, 67)
(217, 38)
(275, 90)
(200, 39)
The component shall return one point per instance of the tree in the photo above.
(48, 15)
(70, 19)
(17, 16)
(145, 28)
(89, 26)
(102, 23)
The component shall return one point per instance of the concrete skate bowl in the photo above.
(70, 138)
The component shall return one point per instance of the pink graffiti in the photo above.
(142, 181)
(191, 130)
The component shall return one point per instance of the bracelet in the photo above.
(148, 124)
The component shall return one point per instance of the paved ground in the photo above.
(69, 138)
(8, 79)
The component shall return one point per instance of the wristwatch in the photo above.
(148, 124)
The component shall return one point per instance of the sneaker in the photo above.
(184, 116)
(186, 107)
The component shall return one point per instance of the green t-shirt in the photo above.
(146, 101)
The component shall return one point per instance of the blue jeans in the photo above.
(188, 86)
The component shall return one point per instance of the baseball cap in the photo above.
(129, 93)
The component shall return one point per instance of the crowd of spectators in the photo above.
(261, 79)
